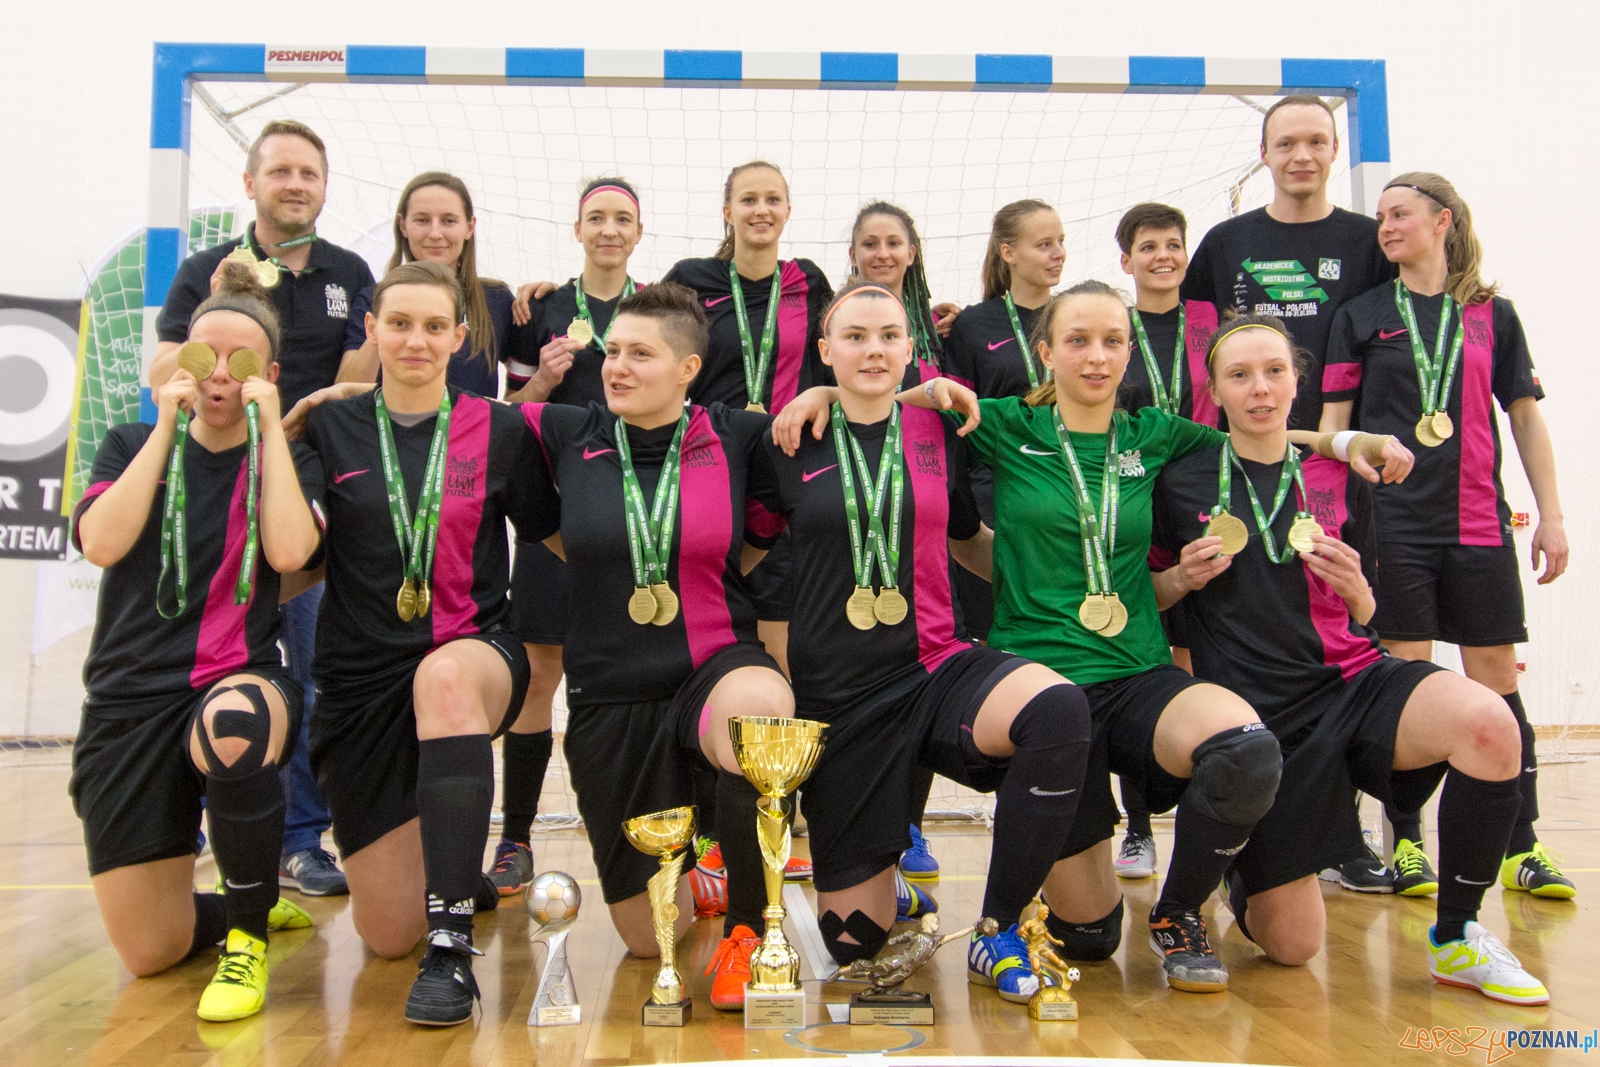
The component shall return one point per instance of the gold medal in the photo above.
(1119, 616)
(1095, 612)
(666, 603)
(405, 602)
(242, 254)
(580, 331)
(244, 364)
(1300, 534)
(1425, 434)
(642, 605)
(756, 406)
(198, 359)
(267, 273)
(1443, 428)
(424, 599)
(1234, 533)
(890, 607)
(859, 609)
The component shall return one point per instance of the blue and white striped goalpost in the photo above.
(179, 65)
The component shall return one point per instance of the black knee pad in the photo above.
(1055, 717)
(254, 727)
(1235, 775)
(869, 936)
(1088, 942)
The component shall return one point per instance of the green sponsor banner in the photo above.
(1256, 266)
(1313, 293)
(1301, 278)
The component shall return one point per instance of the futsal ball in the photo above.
(553, 897)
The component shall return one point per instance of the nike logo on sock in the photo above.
(1036, 791)
(714, 301)
(1530, 770)
(235, 885)
(337, 478)
(806, 476)
(997, 344)
(1026, 451)
(1468, 881)
(591, 453)
(1389, 335)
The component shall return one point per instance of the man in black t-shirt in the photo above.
(286, 175)
(1299, 258)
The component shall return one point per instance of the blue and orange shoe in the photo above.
(911, 902)
(1001, 960)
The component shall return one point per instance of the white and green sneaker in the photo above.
(1479, 961)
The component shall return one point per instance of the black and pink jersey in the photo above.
(981, 351)
(550, 318)
(1161, 327)
(834, 666)
(610, 659)
(796, 365)
(1453, 494)
(492, 473)
(135, 654)
(1273, 633)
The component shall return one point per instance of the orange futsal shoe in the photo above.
(731, 966)
(710, 890)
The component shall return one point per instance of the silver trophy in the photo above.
(553, 901)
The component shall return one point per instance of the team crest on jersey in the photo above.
(338, 301)
(697, 451)
(1478, 333)
(929, 458)
(1328, 269)
(1130, 464)
(1323, 507)
(461, 476)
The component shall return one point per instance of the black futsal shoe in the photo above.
(445, 989)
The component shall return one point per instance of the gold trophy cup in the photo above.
(664, 835)
(776, 755)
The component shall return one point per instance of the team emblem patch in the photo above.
(1328, 269)
(338, 301)
(1130, 464)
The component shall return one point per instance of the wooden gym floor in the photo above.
(65, 998)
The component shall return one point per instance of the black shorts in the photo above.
(541, 595)
(626, 760)
(771, 583)
(133, 784)
(364, 751)
(1461, 594)
(1313, 822)
(1123, 713)
(858, 801)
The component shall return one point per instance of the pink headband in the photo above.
(607, 189)
(857, 291)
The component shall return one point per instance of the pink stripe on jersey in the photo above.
(1480, 511)
(220, 647)
(705, 537)
(466, 482)
(1200, 318)
(929, 519)
(77, 513)
(1326, 481)
(761, 522)
(1338, 377)
(794, 328)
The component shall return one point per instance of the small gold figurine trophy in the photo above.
(665, 835)
(776, 755)
(552, 902)
(1053, 1002)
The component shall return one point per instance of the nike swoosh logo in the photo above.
(1036, 791)
(806, 476)
(591, 453)
(1389, 335)
(711, 303)
(997, 344)
(1026, 451)
(235, 885)
(337, 478)
(1468, 881)
(1530, 770)
(1205, 516)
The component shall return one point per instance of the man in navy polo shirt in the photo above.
(286, 174)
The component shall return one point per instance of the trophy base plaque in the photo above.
(1046, 1009)
(773, 1011)
(653, 1014)
(891, 1009)
(563, 1015)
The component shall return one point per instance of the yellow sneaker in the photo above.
(239, 989)
(287, 915)
(1536, 872)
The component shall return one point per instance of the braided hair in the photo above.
(914, 292)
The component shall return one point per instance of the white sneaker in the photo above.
(1137, 859)
(1479, 961)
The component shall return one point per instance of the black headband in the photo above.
(1420, 189)
(231, 302)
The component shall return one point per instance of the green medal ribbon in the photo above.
(1022, 343)
(1099, 531)
(247, 562)
(755, 367)
(1290, 473)
(650, 533)
(254, 249)
(1167, 399)
(416, 535)
(175, 520)
(1433, 379)
(891, 476)
(628, 289)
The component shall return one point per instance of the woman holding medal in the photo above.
(1425, 359)
(1278, 585)
(763, 314)
(661, 650)
(877, 501)
(414, 684)
(188, 700)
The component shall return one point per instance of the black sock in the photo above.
(210, 922)
(455, 790)
(1133, 803)
(921, 788)
(704, 780)
(246, 816)
(1522, 836)
(523, 761)
(741, 852)
(1407, 824)
(1037, 799)
(1475, 820)
(1202, 848)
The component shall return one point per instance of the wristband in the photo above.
(1341, 444)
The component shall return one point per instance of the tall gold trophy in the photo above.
(666, 836)
(776, 755)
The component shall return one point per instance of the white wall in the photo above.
(1499, 100)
